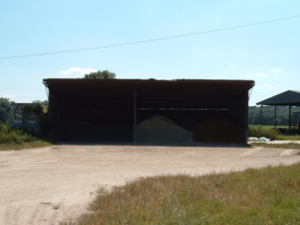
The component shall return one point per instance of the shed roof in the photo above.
(118, 93)
(290, 97)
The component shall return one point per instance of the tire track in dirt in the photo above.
(15, 215)
(43, 213)
(6, 214)
(32, 214)
(73, 211)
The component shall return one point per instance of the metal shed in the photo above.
(288, 98)
(120, 104)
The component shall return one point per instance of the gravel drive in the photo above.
(48, 185)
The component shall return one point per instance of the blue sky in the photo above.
(268, 54)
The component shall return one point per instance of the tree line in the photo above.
(268, 115)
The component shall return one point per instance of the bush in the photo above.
(9, 135)
(259, 131)
(44, 123)
(4, 110)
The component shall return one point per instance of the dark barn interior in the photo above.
(109, 110)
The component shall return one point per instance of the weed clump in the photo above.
(259, 131)
(19, 138)
(9, 135)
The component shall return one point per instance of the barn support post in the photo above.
(290, 118)
(134, 115)
(261, 115)
(244, 124)
(275, 116)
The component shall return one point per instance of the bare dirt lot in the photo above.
(48, 185)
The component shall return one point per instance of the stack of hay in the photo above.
(159, 129)
(216, 129)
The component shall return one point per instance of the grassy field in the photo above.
(15, 139)
(272, 126)
(282, 146)
(261, 131)
(289, 137)
(256, 196)
(269, 132)
(25, 145)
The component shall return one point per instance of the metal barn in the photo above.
(108, 110)
(288, 98)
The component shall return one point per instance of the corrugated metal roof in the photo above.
(290, 97)
(150, 93)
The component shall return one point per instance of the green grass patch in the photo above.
(283, 146)
(16, 138)
(8, 135)
(260, 131)
(256, 196)
(25, 145)
(288, 137)
(273, 126)
(269, 132)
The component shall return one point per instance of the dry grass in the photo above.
(283, 146)
(24, 145)
(256, 196)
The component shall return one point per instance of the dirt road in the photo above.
(47, 185)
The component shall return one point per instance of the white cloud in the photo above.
(261, 74)
(266, 86)
(275, 71)
(233, 66)
(250, 75)
(75, 72)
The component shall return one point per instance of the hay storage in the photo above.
(95, 105)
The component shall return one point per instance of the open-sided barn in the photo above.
(288, 98)
(109, 110)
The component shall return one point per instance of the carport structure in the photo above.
(288, 98)
(108, 110)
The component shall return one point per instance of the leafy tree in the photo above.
(4, 110)
(268, 115)
(104, 74)
(45, 102)
(38, 111)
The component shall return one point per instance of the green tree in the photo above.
(4, 110)
(268, 115)
(104, 74)
(45, 102)
(38, 111)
